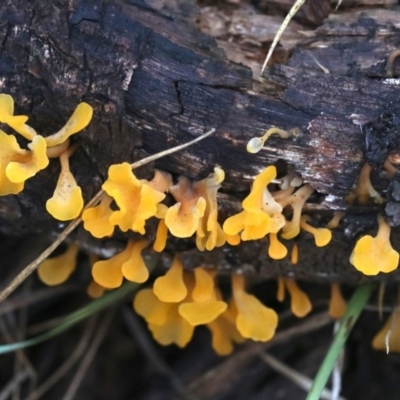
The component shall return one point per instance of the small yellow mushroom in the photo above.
(183, 218)
(364, 189)
(56, 270)
(67, 200)
(322, 236)
(300, 302)
(96, 220)
(136, 199)
(79, 120)
(276, 249)
(261, 214)
(224, 332)
(205, 306)
(337, 304)
(134, 268)
(372, 255)
(292, 229)
(171, 287)
(256, 144)
(254, 320)
(16, 122)
(161, 237)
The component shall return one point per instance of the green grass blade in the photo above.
(74, 318)
(354, 308)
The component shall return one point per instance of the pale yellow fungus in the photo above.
(134, 268)
(161, 236)
(276, 249)
(205, 306)
(280, 293)
(337, 304)
(67, 200)
(96, 220)
(300, 302)
(335, 221)
(256, 144)
(261, 214)
(56, 270)
(171, 287)
(322, 236)
(364, 189)
(16, 122)
(254, 320)
(372, 255)
(136, 199)
(79, 120)
(296, 200)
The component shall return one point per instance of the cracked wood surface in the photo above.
(155, 80)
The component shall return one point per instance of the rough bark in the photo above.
(156, 81)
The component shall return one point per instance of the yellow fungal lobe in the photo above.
(280, 293)
(56, 270)
(372, 255)
(67, 200)
(300, 302)
(94, 290)
(364, 189)
(134, 268)
(256, 144)
(276, 249)
(171, 287)
(322, 236)
(183, 218)
(337, 304)
(96, 220)
(297, 200)
(16, 122)
(136, 199)
(205, 307)
(108, 273)
(294, 258)
(254, 320)
(161, 237)
(78, 121)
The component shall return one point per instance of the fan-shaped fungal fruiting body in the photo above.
(372, 255)
(96, 220)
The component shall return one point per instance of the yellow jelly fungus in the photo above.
(129, 264)
(322, 236)
(183, 218)
(175, 329)
(30, 163)
(134, 268)
(79, 120)
(276, 249)
(224, 332)
(16, 122)
(67, 200)
(148, 305)
(57, 270)
(335, 221)
(161, 236)
(233, 240)
(205, 307)
(294, 258)
(300, 302)
(296, 200)
(136, 199)
(254, 320)
(372, 255)
(171, 287)
(388, 338)
(94, 290)
(364, 188)
(337, 304)
(261, 215)
(209, 232)
(256, 144)
(96, 220)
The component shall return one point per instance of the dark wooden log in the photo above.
(155, 81)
